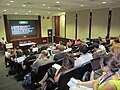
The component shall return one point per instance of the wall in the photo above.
(70, 25)
(2, 28)
(46, 23)
(83, 24)
(115, 22)
(62, 26)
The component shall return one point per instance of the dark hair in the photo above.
(67, 62)
(95, 45)
(83, 49)
(111, 61)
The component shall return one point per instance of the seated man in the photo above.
(84, 56)
(60, 53)
(98, 52)
(41, 60)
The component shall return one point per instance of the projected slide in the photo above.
(19, 30)
(22, 28)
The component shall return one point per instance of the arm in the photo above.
(88, 83)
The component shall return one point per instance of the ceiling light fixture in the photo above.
(29, 11)
(103, 2)
(23, 5)
(81, 5)
(58, 8)
(16, 13)
(4, 10)
(44, 4)
(11, 1)
(48, 7)
(8, 4)
(57, 2)
(48, 12)
(36, 14)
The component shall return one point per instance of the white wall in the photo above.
(115, 22)
(83, 24)
(70, 25)
(99, 22)
(45, 25)
(62, 26)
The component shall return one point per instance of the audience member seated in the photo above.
(115, 49)
(7, 56)
(67, 63)
(41, 60)
(78, 42)
(34, 48)
(110, 67)
(60, 53)
(84, 56)
(97, 51)
(28, 57)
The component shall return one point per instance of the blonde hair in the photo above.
(116, 50)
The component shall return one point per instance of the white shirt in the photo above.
(83, 59)
(102, 48)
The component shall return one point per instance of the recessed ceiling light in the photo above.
(48, 7)
(43, 4)
(4, 10)
(11, 1)
(36, 14)
(57, 2)
(48, 12)
(23, 5)
(81, 5)
(29, 11)
(26, 13)
(103, 2)
(8, 4)
(58, 8)
(16, 13)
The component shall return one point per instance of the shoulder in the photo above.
(109, 86)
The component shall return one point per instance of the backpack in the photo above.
(27, 81)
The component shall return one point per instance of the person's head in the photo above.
(9, 50)
(19, 53)
(61, 47)
(43, 54)
(67, 62)
(83, 49)
(95, 46)
(26, 52)
(2, 38)
(109, 63)
(116, 50)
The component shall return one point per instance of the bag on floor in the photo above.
(27, 81)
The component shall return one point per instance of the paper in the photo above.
(20, 59)
(57, 66)
(72, 82)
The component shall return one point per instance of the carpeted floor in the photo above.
(7, 83)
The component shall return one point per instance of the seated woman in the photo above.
(67, 63)
(109, 66)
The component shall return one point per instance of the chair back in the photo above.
(77, 73)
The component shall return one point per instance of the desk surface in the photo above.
(26, 44)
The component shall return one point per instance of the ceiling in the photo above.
(52, 7)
